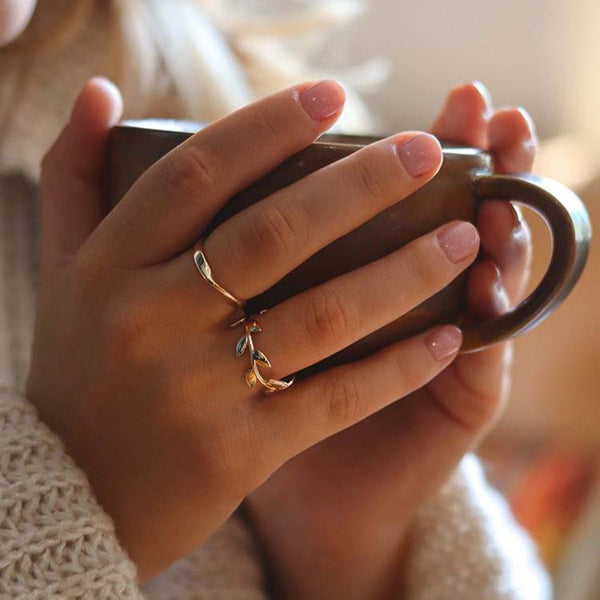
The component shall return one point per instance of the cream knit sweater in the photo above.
(56, 541)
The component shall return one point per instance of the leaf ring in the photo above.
(251, 327)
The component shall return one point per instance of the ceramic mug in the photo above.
(463, 183)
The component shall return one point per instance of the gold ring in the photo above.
(246, 342)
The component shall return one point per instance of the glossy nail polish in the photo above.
(419, 154)
(322, 100)
(444, 341)
(459, 241)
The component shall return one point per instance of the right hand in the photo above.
(133, 363)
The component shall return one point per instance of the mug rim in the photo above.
(177, 126)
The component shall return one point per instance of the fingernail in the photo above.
(420, 154)
(444, 341)
(528, 121)
(496, 277)
(459, 241)
(500, 299)
(322, 100)
(487, 98)
(517, 217)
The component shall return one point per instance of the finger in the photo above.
(465, 115)
(329, 317)
(506, 240)
(474, 390)
(71, 200)
(14, 17)
(513, 140)
(169, 206)
(282, 231)
(331, 401)
(505, 236)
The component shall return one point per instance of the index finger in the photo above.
(165, 211)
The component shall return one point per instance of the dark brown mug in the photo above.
(464, 181)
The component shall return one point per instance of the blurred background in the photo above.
(544, 55)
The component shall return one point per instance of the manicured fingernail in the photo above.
(459, 241)
(322, 100)
(444, 341)
(420, 154)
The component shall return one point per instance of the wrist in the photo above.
(307, 560)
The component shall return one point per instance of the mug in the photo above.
(464, 181)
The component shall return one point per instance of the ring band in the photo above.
(206, 272)
(246, 342)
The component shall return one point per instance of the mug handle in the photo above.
(569, 224)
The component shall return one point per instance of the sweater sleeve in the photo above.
(55, 540)
(466, 544)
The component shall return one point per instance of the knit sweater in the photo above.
(55, 539)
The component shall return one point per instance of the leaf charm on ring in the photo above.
(260, 358)
(257, 358)
(250, 378)
(277, 384)
(241, 346)
(203, 265)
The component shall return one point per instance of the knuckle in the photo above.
(368, 179)
(127, 329)
(408, 376)
(236, 458)
(342, 399)
(478, 407)
(272, 231)
(426, 268)
(478, 412)
(329, 316)
(422, 270)
(190, 171)
(87, 276)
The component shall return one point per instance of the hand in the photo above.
(333, 520)
(133, 363)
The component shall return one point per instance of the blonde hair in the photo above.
(215, 55)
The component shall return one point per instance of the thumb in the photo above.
(431, 430)
(71, 179)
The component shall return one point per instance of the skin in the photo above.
(334, 520)
(133, 364)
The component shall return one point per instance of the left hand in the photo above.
(333, 519)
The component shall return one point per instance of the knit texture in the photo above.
(467, 546)
(56, 541)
